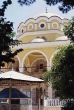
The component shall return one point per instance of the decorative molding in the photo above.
(48, 25)
(55, 18)
(42, 44)
(43, 24)
(55, 23)
(25, 29)
(41, 18)
(40, 32)
(35, 27)
(29, 21)
(20, 25)
(65, 20)
(29, 29)
(48, 19)
(22, 30)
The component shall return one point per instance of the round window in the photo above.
(30, 27)
(42, 25)
(55, 25)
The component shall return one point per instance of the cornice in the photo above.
(39, 32)
(42, 45)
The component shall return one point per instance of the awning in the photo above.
(19, 76)
(15, 93)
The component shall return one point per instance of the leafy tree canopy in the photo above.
(69, 30)
(62, 72)
(6, 37)
(64, 5)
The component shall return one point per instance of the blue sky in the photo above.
(17, 13)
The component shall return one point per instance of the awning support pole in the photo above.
(39, 97)
(10, 95)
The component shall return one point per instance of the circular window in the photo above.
(30, 27)
(55, 25)
(42, 25)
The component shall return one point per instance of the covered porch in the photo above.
(12, 79)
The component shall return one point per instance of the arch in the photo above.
(19, 60)
(50, 62)
(36, 60)
(33, 52)
(39, 63)
(41, 18)
(29, 20)
(56, 18)
(21, 24)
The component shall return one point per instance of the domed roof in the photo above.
(47, 15)
(62, 38)
(38, 40)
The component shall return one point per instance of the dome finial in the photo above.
(46, 10)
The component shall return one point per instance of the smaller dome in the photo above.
(62, 38)
(38, 39)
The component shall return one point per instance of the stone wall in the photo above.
(46, 108)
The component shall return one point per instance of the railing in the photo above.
(15, 107)
(56, 102)
(25, 104)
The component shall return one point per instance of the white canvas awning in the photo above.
(19, 76)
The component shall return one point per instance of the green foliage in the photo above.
(62, 72)
(26, 2)
(65, 5)
(6, 37)
(46, 76)
(69, 105)
(69, 30)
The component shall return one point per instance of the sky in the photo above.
(17, 14)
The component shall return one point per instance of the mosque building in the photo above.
(41, 36)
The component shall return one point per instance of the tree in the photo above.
(62, 72)
(69, 105)
(6, 37)
(69, 30)
(46, 76)
(65, 5)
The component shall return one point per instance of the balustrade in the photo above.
(55, 102)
